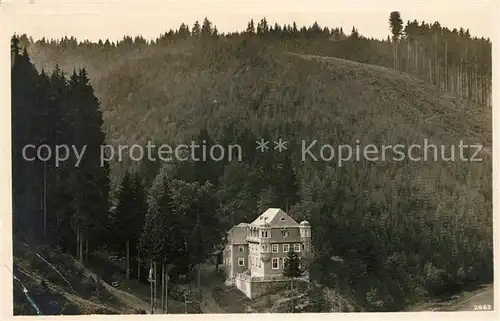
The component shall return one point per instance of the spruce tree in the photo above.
(396, 26)
(292, 266)
(60, 195)
(196, 29)
(89, 180)
(124, 224)
(152, 241)
(251, 27)
(26, 175)
(206, 28)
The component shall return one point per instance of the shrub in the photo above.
(438, 282)
(378, 300)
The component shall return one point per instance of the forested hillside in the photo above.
(405, 231)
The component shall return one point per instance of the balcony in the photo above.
(251, 238)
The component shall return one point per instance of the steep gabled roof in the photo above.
(276, 217)
(237, 234)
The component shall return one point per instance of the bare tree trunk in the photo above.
(394, 54)
(476, 85)
(452, 81)
(446, 66)
(151, 275)
(127, 259)
(166, 288)
(77, 242)
(45, 200)
(430, 71)
(470, 91)
(466, 68)
(397, 54)
(408, 54)
(155, 284)
(162, 288)
(460, 76)
(199, 283)
(81, 246)
(416, 57)
(87, 248)
(138, 266)
(480, 85)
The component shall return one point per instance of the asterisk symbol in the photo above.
(280, 145)
(262, 145)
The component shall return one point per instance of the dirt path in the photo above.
(129, 299)
(209, 281)
(481, 299)
(208, 305)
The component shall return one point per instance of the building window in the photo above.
(285, 234)
(275, 248)
(241, 261)
(296, 247)
(286, 247)
(241, 248)
(275, 263)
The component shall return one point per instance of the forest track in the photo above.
(480, 299)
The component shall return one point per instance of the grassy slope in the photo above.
(86, 292)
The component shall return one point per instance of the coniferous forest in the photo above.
(405, 232)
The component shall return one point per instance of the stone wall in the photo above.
(260, 288)
(254, 287)
(244, 285)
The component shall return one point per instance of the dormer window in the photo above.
(285, 233)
